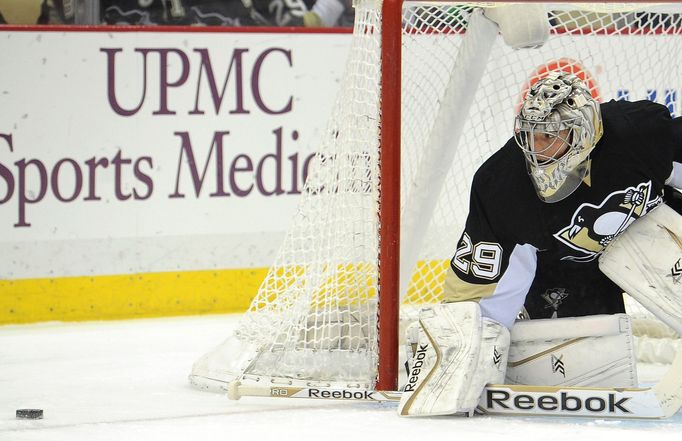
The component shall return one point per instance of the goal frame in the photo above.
(389, 195)
(280, 349)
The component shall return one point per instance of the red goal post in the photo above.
(430, 91)
(389, 196)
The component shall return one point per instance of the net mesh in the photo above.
(314, 318)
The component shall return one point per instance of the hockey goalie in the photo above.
(576, 208)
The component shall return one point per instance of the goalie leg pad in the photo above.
(593, 351)
(411, 344)
(457, 354)
(646, 262)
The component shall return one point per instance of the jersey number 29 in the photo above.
(485, 261)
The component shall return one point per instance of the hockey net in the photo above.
(314, 319)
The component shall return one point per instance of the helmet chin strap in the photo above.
(588, 176)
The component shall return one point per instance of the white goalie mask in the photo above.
(557, 127)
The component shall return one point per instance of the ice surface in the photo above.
(127, 380)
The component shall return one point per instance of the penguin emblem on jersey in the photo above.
(593, 227)
(554, 298)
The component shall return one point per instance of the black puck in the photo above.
(30, 414)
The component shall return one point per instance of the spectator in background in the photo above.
(19, 11)
(651, 21)
(134, 12)
(57, 12)
(219, 13)
(176, 12)
(308, 13)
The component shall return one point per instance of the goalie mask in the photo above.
(557, 128)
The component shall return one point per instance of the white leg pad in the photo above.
(457, 354)
(646, 261)
(594, 351)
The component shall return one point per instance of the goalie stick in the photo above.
(662, 400)
(237, 390)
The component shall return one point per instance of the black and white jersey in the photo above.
(516, 248)
(176, 12)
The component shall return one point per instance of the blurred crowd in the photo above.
(308, 13)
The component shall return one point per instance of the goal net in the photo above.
(444, 100)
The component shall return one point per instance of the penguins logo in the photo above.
(593, 227)
(554, 298)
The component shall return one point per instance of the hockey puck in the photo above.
(30, 414)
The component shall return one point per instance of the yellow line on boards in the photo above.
(128, 296)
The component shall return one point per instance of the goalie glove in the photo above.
(646, 261)
(457, 354)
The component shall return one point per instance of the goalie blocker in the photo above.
(458, 353)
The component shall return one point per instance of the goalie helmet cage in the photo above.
(429, 91)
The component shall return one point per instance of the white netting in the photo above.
(655, 342)
(314, 318)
